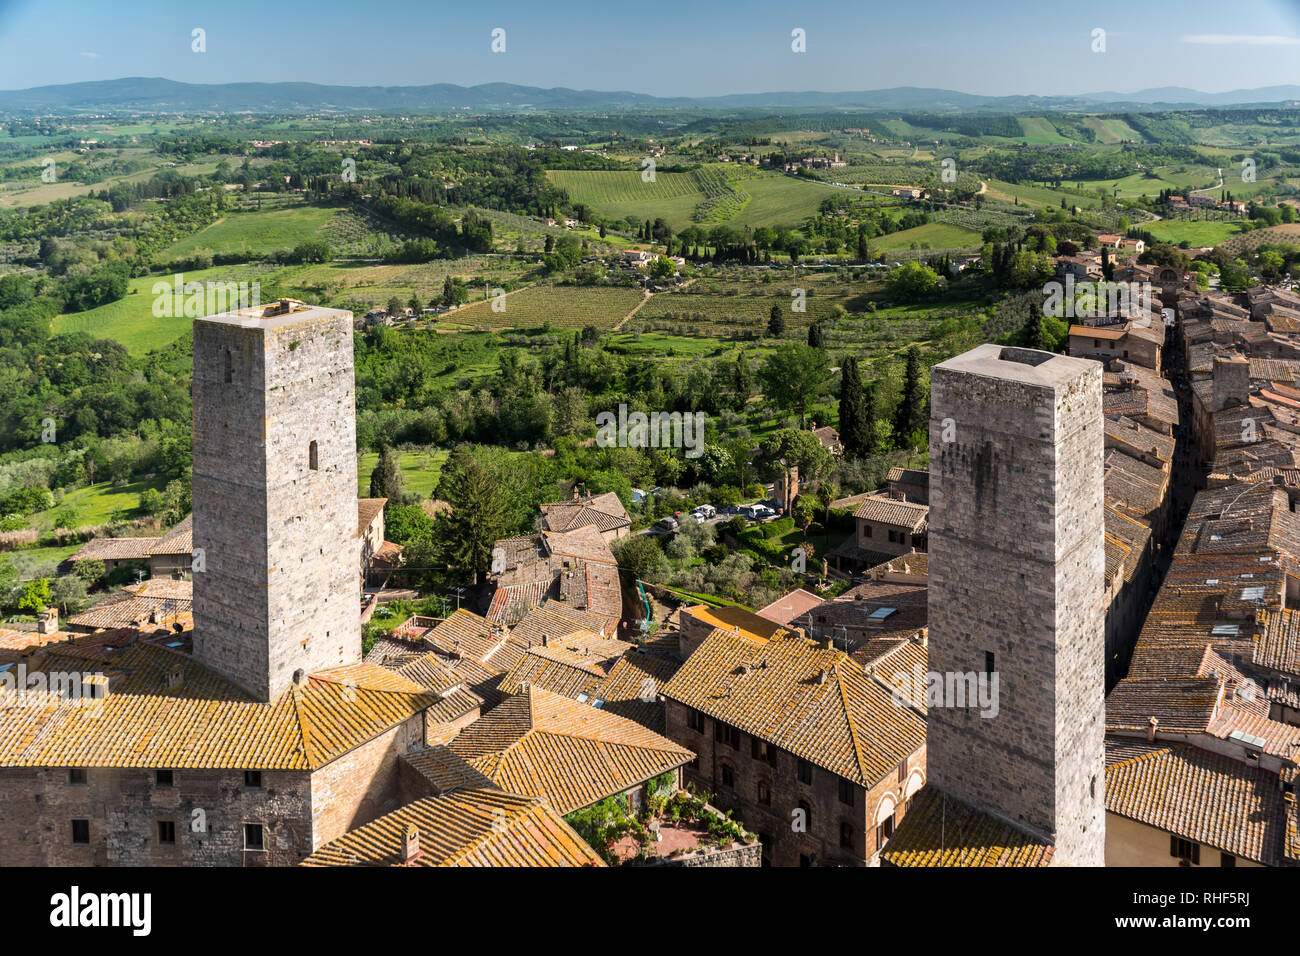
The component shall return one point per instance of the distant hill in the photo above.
(155, 94)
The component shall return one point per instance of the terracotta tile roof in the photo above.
(1204, 797)
(803, 697)
(790, 606)
(904, 514)
(553, 619)
(368, 509)
(634, 686)
(1182, 705)
(510, 602)
(466, 828)
(129, 608)
(443, 770)
(1240, 717)
(941, 831)
(570, 754)
(116, 549)
(734, 619)
(1278, 645)
(567, 664)
(467, 634)
(435, 674)
(179, 540)
(165, 709)
(604, 512)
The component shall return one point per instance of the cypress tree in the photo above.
(852, 420)
(386, 478)
(776, 322)
(910, 414)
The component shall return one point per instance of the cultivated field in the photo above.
(563, 307)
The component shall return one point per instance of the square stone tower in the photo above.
(1017, 572)
(275, 494)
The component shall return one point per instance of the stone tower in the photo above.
(275, 494)
(1017, 571)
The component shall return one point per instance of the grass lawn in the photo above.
(130, 320)
(1209, 233)
(938, 235)
(255, 232)
(31, 563)
(98, 504)
(420, 471)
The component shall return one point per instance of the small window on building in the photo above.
(902, 770)
(764, 793)
(884, 831)
(164, 778)
(313, 457)
(253, 779)
(806, 807)
(167, 832)
(1227, 859)
(866, 531)
(694, 719)
(988, 662)
(1185, 850)
(253, 837)
(733, 737)
(230, 367)
(77, 776)
(805, 772)
(846, 835)
(846, 792)
(728, 776)
(81, 832)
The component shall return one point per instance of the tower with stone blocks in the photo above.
(275, 494)
(1017, 571)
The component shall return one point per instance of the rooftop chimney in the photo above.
(48, 623)
(1152, 726)
(410, 844)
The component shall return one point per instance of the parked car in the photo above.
(666, 524)
(763, 512)
(706, 511)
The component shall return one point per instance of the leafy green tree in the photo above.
(912, 281)
(36, 596)
(406, 524)
(793, 377)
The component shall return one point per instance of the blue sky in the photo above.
(663, 47)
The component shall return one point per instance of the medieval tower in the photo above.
(275, 494)
(1017, 570)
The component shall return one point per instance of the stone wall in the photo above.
(125, 806)
(279, 589)
(1017, 570)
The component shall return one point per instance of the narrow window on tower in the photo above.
(988, 662)
(230, 367)
(313, 457)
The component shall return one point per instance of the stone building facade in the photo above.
(275, 513)
(1017, 569)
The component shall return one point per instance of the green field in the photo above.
(1194, 233)
(98, 504)
(758, 198)
(938, 235)
(1036, 197)
(130, 320)
(564, 307)
(420, 471)
(255, 232)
